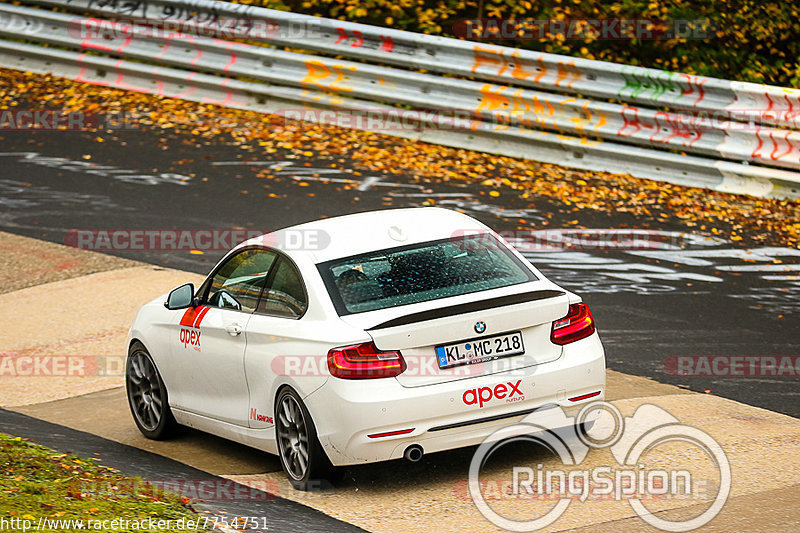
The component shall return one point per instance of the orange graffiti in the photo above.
(492, 99)
(565, 71)
(489, 57)
(317, 71)
(519, 71)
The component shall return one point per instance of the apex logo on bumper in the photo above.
(190, 326)
(482, 395)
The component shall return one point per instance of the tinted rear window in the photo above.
(420, 273)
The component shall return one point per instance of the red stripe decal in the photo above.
(193, 316)
(189, 316)
(200, 316)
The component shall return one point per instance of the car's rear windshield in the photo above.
(421, 272)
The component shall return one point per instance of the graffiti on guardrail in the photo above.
(664, 128)
(495, 61)
(373, 42)
(497, 110)
(318, 73)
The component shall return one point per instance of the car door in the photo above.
(283, 343)
(212, 339)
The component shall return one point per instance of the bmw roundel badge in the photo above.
(480, 327)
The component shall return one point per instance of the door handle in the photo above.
(234, 329)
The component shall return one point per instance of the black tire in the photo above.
(583, 430)
(147, 395)
(301, 455)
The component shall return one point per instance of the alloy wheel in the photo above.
(146, 391)
(293, 440)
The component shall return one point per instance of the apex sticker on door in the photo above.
(190, 330)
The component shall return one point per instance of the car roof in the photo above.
(344, 236)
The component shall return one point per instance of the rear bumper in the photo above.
(444, 416)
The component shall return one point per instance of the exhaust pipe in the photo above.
(413, 453)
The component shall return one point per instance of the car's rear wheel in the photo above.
(301, 455)
(147, 395)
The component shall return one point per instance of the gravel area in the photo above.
(75, 345)
(27, 262)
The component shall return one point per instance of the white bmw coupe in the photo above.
(362, 338)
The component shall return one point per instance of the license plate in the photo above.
(477, 350)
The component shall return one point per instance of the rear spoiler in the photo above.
(470, 307)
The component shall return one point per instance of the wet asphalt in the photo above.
(697, 299)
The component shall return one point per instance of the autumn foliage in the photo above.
(745, 40)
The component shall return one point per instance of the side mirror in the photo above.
(181, 297)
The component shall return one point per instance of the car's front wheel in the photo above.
(301, 455)
(147, 395)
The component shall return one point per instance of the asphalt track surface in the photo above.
(283, 515)
(706, 298)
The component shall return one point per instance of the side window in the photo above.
(284, 294)
(238, 283)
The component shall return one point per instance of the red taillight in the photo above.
(365, 361)
(577, 325)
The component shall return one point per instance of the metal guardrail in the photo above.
(523, 108)
(466, 58)
(514, 121)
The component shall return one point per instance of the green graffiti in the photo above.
(644, 87)
(655, 86)
(660, 88)
(630, 83)
(673, 86)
